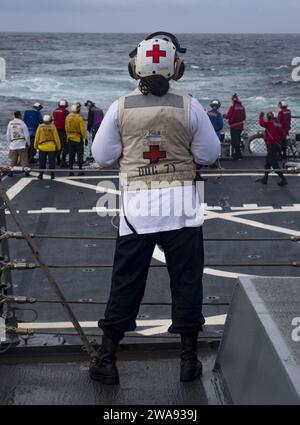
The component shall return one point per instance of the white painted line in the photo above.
(48, 211)
(156, 326)
(18, 187)
(213, 208)
(222, 273)
(97, 188)
(87, 177)
(100, 209)
(160, 256)
(259, 225)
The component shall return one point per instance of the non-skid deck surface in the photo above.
(236, 207)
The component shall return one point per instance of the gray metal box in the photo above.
(258, 359)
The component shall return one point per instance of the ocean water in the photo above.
(48, 67)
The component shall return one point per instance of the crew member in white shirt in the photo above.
(157, 135)
(19, 140)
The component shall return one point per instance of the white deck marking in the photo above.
(18, 187)
(96, 210)
(259, 225)
(48, 211)
(97, 188)
(160, 256)
(221, 273)
(156, 326)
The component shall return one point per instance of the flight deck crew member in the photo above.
(48, 143)
(216, 117)
(17, 136)
(33, 118)
(236, 116)
(285, 119)
(158, 135)
(59, 117)
(76, 134)
(95, 118)
(273, 138)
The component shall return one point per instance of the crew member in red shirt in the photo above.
(273, 138)
(236, 117)
(59, 118)
(285, 119)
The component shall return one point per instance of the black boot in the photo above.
(52, 176)
(103, 368)
(263, 180)
(283, 181)
(191, 367)
(40, 176)
(81, 173)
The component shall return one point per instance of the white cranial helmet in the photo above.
(47, 119)
(156, 57)
(63, 102)
(283, 104)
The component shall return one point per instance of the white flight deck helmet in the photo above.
(63, 102)
(283, 104)
(47, 119)
(38, 106)
(157, 55)
(215, 103)
(76, 107)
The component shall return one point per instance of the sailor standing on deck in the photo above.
(59, 116)
(17, 136)
(216, 117)
(273, 137)
(48, 143)
(157, 135)
(33, 118)
(285, 119)
(76, 134)
(236, 117)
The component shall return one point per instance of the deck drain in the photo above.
(90, 245)
(93, 224)
(243, 232)
(212, 298)
(88, 270)
(19, 260)
(143, 316)
(254, 256)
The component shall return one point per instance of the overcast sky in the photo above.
(233, 16)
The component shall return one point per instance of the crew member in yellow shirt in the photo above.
(76, 134)
(47, 141)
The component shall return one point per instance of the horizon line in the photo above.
(127, 32)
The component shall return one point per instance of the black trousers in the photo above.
(284, 145)
(31, 150)
(64, 145)
(236, 142)
(43, 156)
(272, 159)
(94, 132)
(184, 257)
(76, 148)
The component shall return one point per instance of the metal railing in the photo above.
(9, 301)
(254, 145)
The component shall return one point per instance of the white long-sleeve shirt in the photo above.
(22, 143)
(165, 209)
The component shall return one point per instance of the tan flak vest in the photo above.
(156, 139)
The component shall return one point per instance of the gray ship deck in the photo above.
(237, 207)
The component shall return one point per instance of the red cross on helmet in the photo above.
(157, 55)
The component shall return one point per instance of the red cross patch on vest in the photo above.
(155, 154)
